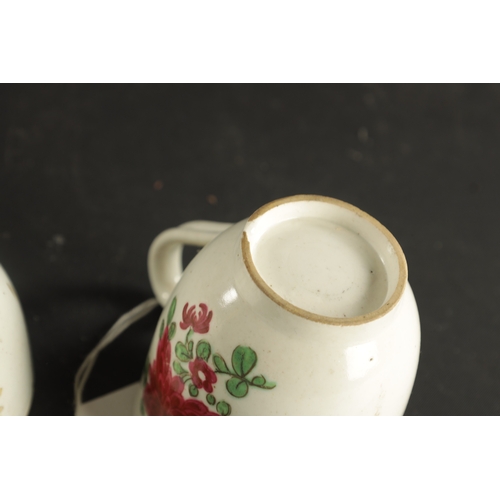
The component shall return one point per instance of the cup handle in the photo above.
(165, 254)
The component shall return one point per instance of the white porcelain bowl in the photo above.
(16, 372)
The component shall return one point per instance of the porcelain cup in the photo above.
(304, 308)
(16, 373)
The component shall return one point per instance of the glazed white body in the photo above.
(319, 369)
(16, 374)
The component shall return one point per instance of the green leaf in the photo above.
(145, 371)
(162, 328)
(178, 368)
(220, 364)
(237, 387)
(210, 399)
(259, 381)
(171, 311)
(223, 408)
(203, 350)
(193, 390)
(171, 330)
(189, 335)
(190, 348)
(181, 352)
(243, 360)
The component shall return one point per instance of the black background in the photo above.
(90, 174)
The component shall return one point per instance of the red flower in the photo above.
(200, 322)
(163, 392)
(209, 377)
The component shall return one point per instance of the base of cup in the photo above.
(324, 259)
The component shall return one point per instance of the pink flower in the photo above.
(208, 377)
(163, 392)
(199, 322)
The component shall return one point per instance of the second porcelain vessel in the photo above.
(16, 373)
(302, 309)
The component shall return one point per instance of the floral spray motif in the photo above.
(163, 391)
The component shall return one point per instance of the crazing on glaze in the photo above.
(196, 368)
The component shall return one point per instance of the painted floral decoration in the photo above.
(197, 367)
(199, 322)
(164, 392)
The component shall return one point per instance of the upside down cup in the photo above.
(304, 308)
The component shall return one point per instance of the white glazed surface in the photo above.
(319, 369)
(345, 278)
(16, 374)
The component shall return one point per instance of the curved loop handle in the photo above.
(165, 253)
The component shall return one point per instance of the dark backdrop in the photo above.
(90, 174)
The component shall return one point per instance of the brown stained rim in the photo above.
(356, 320)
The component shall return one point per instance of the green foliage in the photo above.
(181, 352)
(237, 387)
(220, 364)
(223, 408)
(171, 330)
(178, 368)
(243, 360)
(171, 310)
(203, 350)
(259, 381)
